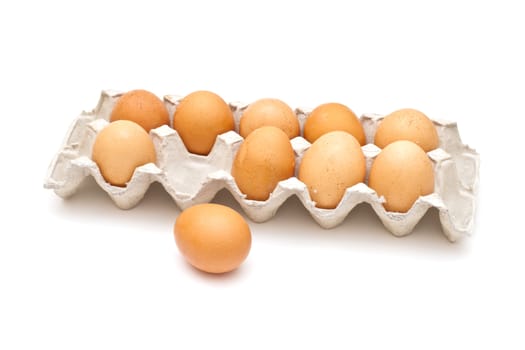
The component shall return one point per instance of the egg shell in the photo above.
(120, 148)
(265, 158)
(141, 107)
(407, 124)
(331, 117)
(199, 118)
(269, 112)
(402, 172)
(192, 179)
(212, 237)
(332, 164)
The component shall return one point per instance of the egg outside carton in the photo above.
(192, 179)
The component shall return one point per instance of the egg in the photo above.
(212, 237)
(401, 173)
(407, 124)
(141, 107)
(332, 117)
(333, 163)
(264, 158)
(269, 112)
(199, 118)
(119, 149)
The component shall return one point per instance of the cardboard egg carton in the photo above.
(192, 179)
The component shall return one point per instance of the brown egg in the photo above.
(120, 148)
(264, 158)
(331, 117)
(401, 173)
(199, 118)
(269, 112)
(407, 124)
(333, 163)
(141, 107)
(213, 237)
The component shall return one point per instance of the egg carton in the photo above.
(192, 179)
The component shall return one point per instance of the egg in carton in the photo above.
(192, 179)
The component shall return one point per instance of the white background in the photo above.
(82, 274)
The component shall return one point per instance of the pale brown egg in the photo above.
(407, 124)
(120, 148)
(264, 158)
(332, 164)
(212, 237)
(269, 112)
(199, 118)
(401, 173)
(332, 117)
(141, 107)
